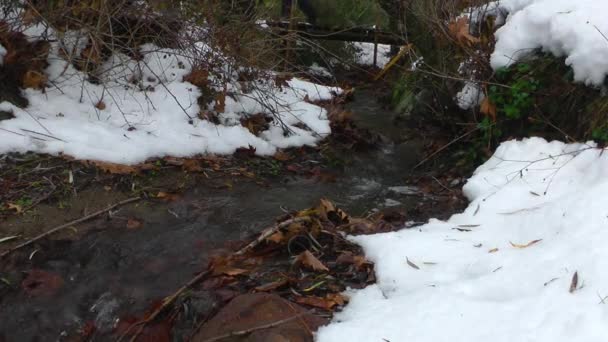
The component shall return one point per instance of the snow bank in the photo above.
(472, 284)
(576, 30)
(145, 110)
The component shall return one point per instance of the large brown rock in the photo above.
(247, 312)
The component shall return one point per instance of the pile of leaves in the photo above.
(305, 257)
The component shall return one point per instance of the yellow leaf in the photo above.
(15, 207)
(526, 245)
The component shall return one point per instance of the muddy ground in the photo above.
(93, 279)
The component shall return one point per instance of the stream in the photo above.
(112, 272)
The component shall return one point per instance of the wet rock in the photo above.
(245, 313)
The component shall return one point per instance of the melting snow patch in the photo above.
(503, 270)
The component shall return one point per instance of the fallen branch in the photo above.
(261, 327)
(167, 301)
(69, 224)
(268, 232)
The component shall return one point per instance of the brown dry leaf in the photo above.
(412, 265)
(282, 156)
(34, 79)
(308, 260)
(229, 270)
(328, 211)
(220, 103)
(459, 29)
(198, 77)
(29, 16)
(488, 108)
(337, 298)
(42, 283)
(192, 165)
(100, 105)
(318, 302)
(493, 250)
(574, 282)
(15, 207)
(277, 237)
(256, 123)
(133, 223)
(533, 242)
(272, 286)
(115, 169)
(226, 266)
(167, 196)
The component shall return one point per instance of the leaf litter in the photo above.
(304, 258)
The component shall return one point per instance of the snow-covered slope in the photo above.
(502, 270)
(144, 109)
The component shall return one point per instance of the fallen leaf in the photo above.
(411, 264)
(229, 271)
(493, 250)
(220, 102)
(574, 282)
(168, 196)
(192, 165)
(277, 237)
(272, 286)
(9, 238)
(34, 79)
(15, 207)
(318, 302)
(133, 223)
(328, 211)
(488, 108)
(100, 105)
(308, 260)
(199, 77)
(282, 156)
(460, 30)
(112, 168)
(526, 245)
(42, 283)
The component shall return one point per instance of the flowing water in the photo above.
(113, 272)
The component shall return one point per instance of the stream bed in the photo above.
(112, 273)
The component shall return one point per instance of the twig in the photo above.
(445, 147)
(260, 327)
(69, 224)
(167, 301)
(268, 232)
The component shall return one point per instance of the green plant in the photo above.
(516, 99)
(600, 134)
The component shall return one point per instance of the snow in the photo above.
(482, 285)
(576, 30)
(470, 96)
(144, 109)
(364, 54)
